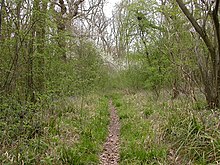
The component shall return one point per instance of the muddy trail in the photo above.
(110, 154)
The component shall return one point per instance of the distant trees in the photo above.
(184, 51)
(137, 31)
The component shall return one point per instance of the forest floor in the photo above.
(134, 127)
(110, 154)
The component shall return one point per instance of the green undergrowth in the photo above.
(138, 144)
(66, 131)
(166, 131)
(193, 135)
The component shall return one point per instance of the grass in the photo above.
(93, 131)
(193, 136)
(138, 145)
(165, 131)
(64, 133)
(162, 131)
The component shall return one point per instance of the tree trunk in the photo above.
(61, 27)
(2, 3)
(40, 50)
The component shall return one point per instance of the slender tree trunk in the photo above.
(30, 82)
(2, 3)
(30, 95)
(40, 39)
(11, 77)
(215, 18)
(62, 29)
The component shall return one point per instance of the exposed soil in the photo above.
(110, 154)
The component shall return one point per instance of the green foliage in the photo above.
(134, 77)
(147, 66)
(140, 75)
(137, 139)
(90, 71)
(21, 127)
(160, 73)
(36, 78)
(93, 131)
(49, 113)
(166, 132)
(193, 136)
(56, 134)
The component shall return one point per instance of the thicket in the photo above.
(43, 67)
(176, 49)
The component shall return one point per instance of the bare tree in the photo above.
(212, 41)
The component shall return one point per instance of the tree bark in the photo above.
(2, 3)
(217, 32)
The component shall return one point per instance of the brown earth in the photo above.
(110, 154)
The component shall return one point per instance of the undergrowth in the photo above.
(166, 131)
(72, 130)
(66, 131)
(137, 139)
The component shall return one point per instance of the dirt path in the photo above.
(110, 154)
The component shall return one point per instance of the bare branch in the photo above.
(198, 28)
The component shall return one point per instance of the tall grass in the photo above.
(60, 132)
(165, 131)
(137, 139)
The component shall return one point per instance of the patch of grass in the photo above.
(194, 137)
(167, 131)
(65, 132)
(92, 133)
(185, 132)
(137, 139)
(199, 105)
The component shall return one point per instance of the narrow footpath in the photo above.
(110, 154)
